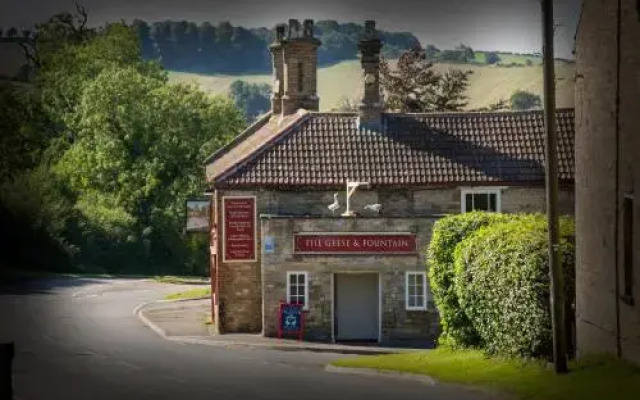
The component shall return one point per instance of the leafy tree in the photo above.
(180, 45)
(37, 213)
(415, 87)
(107, 153)
(461, 54)
(252, 98)
(431, 52)
(346, 104)
(137, 155)
(147, 47)
(468, 55)
(523, 100)
(499, 105)
(25, 130)
(491, 57)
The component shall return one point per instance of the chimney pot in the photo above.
(280, 32)
(294, 28)
(308, 28)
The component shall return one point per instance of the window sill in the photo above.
(628, 300)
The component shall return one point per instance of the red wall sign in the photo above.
(239, 223)
(350, 243)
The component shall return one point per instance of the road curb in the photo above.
(426, 379)
(280, 347)
(139, 312)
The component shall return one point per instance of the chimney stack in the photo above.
(295, 63)
(370, 110)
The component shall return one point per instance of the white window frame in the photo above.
(306, 287)
(480, 190)
(423, 274)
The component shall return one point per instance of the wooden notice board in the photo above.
(239, 229)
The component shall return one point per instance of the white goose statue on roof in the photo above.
(335, 205)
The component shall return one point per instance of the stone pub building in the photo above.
(361, 276)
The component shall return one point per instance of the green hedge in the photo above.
(457, 330)
(502, 282)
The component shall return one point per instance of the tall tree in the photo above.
(107, 152)
(147, 47)
(523, 100)
(491, 57)
(413, 86)
(251, 98)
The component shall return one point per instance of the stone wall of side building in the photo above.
(240, 288)
(601, 182)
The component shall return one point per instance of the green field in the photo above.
(487, 83)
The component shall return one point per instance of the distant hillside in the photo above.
(486, 85)
(224, 48)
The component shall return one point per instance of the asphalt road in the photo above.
(79, 339)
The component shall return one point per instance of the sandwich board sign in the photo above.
(290, 320)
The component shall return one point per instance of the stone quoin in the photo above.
(361, 277)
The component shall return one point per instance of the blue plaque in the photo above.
(269, 244)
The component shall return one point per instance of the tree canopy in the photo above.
(252, 98)
(105, 153)
(224, 48)
(414, 86)
(523, 100)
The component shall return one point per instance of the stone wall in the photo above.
(399, 202)
(601, 182)
(240, 284)
(396, 322)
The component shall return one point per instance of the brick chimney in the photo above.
(370, 110)
(295, 63)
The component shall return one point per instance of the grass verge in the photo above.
(591, 378)
(192, 294)
(180, 280)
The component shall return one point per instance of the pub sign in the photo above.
(198, 215)
(354, 243)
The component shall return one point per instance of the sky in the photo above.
(508, 25)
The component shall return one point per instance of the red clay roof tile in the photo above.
(325, 149)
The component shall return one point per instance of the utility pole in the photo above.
(551, 147)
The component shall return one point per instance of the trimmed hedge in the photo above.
(457, 329)
(502, 283)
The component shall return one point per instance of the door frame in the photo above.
(334, 303)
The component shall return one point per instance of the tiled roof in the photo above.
(435, 149)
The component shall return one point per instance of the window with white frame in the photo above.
(480, 200)
(298, 288)
(416, 290)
